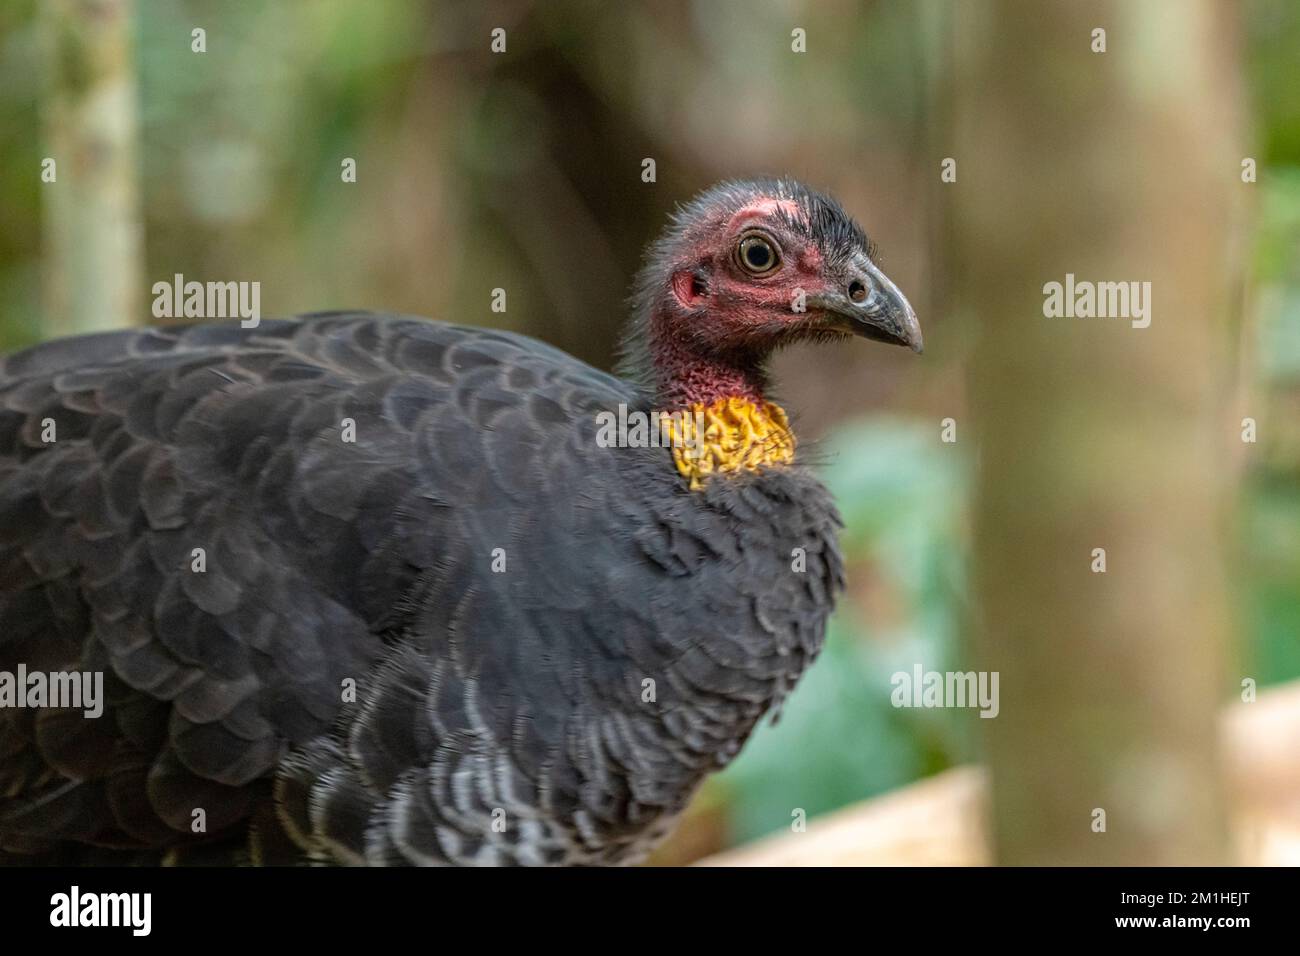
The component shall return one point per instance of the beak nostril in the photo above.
(857, 291)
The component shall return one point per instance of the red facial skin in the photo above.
(715, 324)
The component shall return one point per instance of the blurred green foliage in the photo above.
(1270, 524)
(1270, 582)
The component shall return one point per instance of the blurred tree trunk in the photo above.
(1116, 166)
(93, 232)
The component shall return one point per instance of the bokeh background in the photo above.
(523, 170)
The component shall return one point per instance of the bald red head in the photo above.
(747, 267)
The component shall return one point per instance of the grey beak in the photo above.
(870, 305)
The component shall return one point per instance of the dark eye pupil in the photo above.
(757, 255)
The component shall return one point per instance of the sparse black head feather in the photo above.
(824, 219)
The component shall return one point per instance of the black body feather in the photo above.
(500, 716)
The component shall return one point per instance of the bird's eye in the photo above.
(757, 255)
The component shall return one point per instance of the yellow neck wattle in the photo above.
(729, 435)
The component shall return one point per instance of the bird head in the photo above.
(747, 267)
(743, 269)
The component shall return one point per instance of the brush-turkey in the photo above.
(367, 588)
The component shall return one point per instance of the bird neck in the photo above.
(683, 379)
(718, 418)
